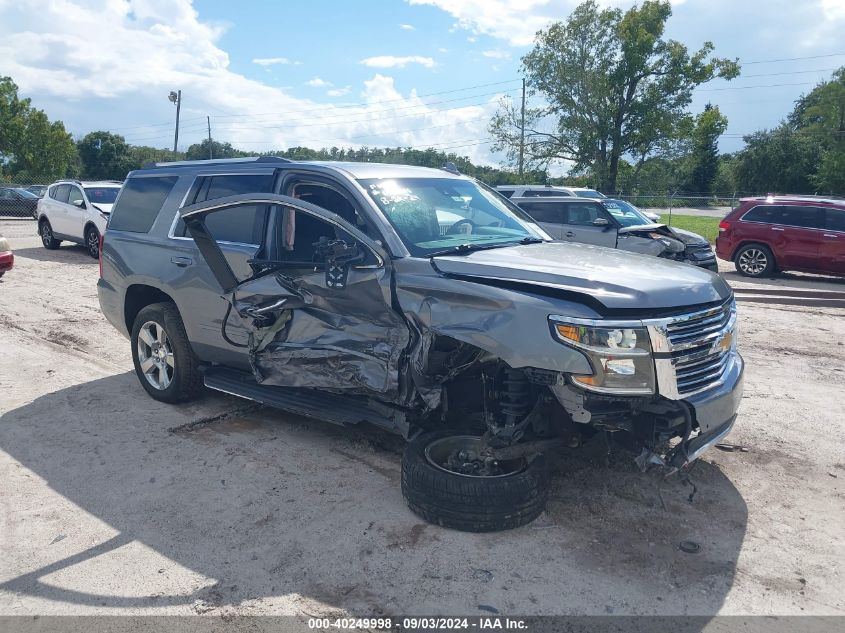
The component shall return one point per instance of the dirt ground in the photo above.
(112, 503)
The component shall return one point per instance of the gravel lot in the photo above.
(112, 503)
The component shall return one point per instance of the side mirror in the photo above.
(652, 216)
(602, 222)
(79, 203)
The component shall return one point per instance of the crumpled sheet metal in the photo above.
(505, 324)
(326, 341)
(351, 341)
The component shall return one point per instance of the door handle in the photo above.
(570, 234)
(777, 228)
(831, 235)
(182, 262)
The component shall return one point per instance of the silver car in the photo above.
(616, 224)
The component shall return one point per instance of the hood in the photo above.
(616, 279)
(642, 227)
(689, 238)
(105, 208)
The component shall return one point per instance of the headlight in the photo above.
(619, 354)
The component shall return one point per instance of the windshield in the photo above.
(102, 195)
(24, 193)
(432, 215)
(625, 213)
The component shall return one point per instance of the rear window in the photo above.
(243, 224)
(59, 193)
(544, 212)
(836, 220)
(803, 217)
(140, 202)
(543, 193)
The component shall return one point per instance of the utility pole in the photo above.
(522, 132)
(210, 154)
(176, 98)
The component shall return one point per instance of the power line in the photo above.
(792, 59)
(804, 83)
(793, 72)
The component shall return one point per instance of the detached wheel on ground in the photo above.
(754, 260)
(163, 358)
(47, 239)
(92, 241)
(441, 483)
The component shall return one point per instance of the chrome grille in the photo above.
(694, 351)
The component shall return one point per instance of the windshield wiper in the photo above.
(467, 247)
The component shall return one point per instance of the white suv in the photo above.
(76, 211)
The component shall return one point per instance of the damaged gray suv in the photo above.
(425, 303)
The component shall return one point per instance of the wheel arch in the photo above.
(138, 297)
(89, 224)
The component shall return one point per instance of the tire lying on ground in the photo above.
(471, 503)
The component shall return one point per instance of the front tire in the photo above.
(47, 239)
(468, 502)
(755, 260)
(92, 242)
(163, 358)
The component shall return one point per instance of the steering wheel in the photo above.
(452, 230)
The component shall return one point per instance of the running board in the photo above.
(310, 403)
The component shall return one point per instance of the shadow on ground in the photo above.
(65, 254)
(266, 505)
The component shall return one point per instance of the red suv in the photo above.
(764, 235)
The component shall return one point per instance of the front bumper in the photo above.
(714, 413)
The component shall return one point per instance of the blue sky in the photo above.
(331, 72)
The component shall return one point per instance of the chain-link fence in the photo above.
(20, 199)
(716, 205)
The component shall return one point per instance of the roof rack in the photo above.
(219, 161)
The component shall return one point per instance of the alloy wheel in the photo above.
(155, 355)
(753, 261)
(46, 235)
(93, 242)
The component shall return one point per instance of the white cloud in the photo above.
(391, 61)
(275, 61)
(154, 46)
(316, 82)
(515, 21)
(497, 54)
(339, 92)
(407, 27)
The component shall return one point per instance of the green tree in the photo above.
(777, 161)
(104, 156)
(613, 86)
(32, 147)
(703, 159)
(13, 113)
(820, 117)
(200, 151)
